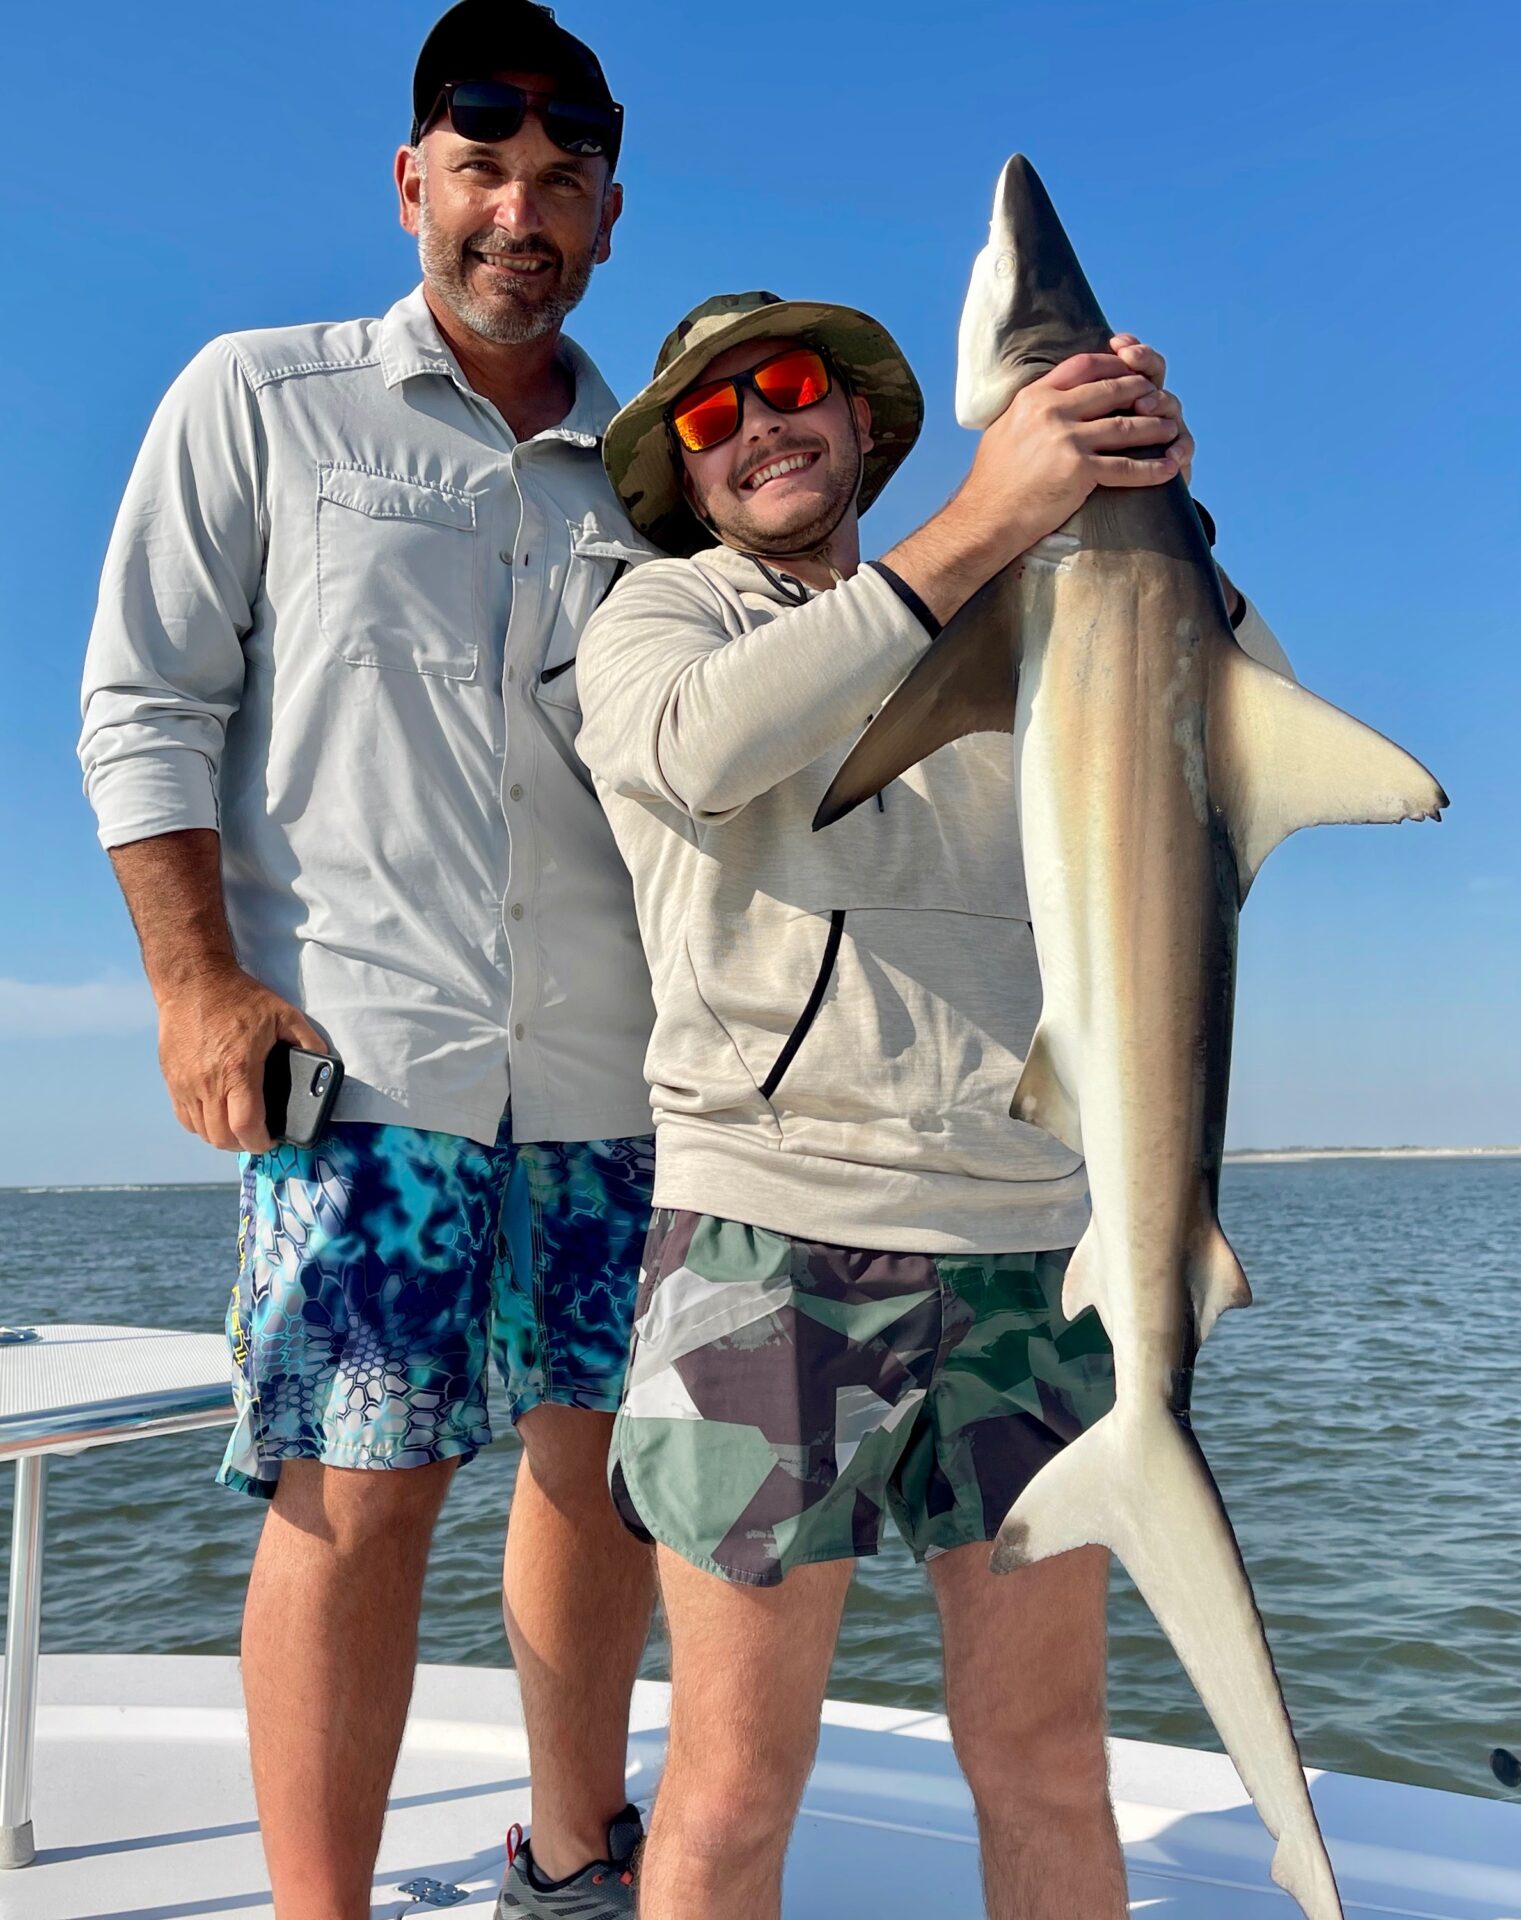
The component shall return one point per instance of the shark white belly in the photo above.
(1156, 766)
(1133, 887)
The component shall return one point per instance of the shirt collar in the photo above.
(410, 345)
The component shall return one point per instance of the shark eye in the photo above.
(1003, 266)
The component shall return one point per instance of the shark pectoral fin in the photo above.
(1281, 758)
(963, 684)
(1041, 1098)
(1216, 1280)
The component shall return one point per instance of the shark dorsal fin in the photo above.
(1281, 758)
(964, 684)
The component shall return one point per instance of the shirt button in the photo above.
(505, 556)
(518, 1031)
(517, 909)
(514, 792)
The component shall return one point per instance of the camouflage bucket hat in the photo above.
(642, 463)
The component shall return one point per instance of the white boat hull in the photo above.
(144, 1811)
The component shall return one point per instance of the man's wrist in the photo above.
(979, 542)
(912, 600)
(945, 561)
(956, 553)
(193, 976)
(173, 888)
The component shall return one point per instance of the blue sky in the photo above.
(1309, 207)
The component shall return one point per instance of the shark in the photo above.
(1157, 764)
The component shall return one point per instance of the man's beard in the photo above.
(741, 529)
(513, 316)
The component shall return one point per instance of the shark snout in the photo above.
(1029, 305)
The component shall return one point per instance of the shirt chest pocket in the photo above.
(397, 564)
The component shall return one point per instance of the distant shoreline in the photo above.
(1235, 1157)
(125, 1186)
(1264, 1156)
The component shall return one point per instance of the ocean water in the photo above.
(1363, 1420)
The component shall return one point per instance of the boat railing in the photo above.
(65, 1389)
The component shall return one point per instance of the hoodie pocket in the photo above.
(887, 1036)
(810, 1011)
(914, 1056)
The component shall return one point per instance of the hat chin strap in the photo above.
(816, 549)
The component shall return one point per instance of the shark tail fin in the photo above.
(1281, 758)
(1042, 1098)
(1138, 1484)
(1071, 1502)
(964, 684)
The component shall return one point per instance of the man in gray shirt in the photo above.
(329, 727)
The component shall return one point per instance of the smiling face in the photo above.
(783, 482)
(508, 233)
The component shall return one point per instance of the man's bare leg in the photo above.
(577, 1593)
(1024, 1689)
(748, 1670)
(329, 1649)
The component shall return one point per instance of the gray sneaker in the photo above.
(602, 1890)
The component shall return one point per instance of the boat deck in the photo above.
(143, 1809)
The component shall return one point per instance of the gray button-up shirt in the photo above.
(338, 622)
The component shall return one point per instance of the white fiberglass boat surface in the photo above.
(143, 1807)
(134, 1802)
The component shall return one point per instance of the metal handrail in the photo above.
(23, 1644)
(30, 1438)
(138, 1417)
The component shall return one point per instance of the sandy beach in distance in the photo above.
(1248, 1156)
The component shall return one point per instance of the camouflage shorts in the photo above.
(783, 1395)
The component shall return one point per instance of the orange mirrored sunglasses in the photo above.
(789, 381)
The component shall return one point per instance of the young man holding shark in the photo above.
(851, 1300)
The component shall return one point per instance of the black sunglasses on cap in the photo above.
(490, 110)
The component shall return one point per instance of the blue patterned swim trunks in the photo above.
(378, 1268)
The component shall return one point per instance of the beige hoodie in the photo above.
(841, 1016)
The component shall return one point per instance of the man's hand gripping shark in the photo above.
(1156, 767)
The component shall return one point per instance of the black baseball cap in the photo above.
(477, 38)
